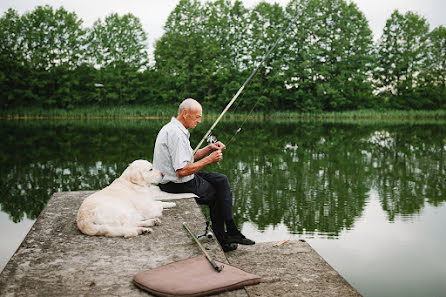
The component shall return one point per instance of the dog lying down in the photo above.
(128, 206)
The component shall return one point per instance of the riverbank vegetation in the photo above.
(53, 65)
(165, 112)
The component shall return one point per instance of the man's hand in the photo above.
(191, 168)
(217, 146)
(207, 150)
(215, 156)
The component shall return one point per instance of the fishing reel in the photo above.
(207, 233)
(211, 139)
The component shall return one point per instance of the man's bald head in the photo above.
(189, 104)
(189, 113)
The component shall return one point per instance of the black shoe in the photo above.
(227, 246)
(239, 238)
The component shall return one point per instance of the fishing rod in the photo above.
(218, 269)
(244, 85)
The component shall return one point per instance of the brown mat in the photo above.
(193, 277)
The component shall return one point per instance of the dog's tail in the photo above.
(87, 226)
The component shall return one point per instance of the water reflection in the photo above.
(409, 168)
(38, 158)
(317, 176)
(310, 177)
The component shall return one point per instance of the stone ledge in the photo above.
(56, 259)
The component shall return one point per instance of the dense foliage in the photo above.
(411, 68)
(328, 61)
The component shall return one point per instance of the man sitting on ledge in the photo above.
(174, 157)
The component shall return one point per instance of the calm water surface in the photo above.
(368, 196)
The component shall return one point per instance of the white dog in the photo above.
(125, 207)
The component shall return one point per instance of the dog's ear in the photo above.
(136, 177)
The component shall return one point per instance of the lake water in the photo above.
(368, 196)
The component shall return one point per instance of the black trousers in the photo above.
(212, 189)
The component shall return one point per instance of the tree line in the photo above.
(328, 61)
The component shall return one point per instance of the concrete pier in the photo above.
(56, 259)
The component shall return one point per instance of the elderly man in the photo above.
(174, 157)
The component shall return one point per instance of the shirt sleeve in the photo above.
(179, 151)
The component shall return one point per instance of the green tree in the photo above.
(53, 46)
(226, 30)
(330, 56)
(402, 51)
(326, 62)
(202, 51)
(13, 67)
(266, 24)
(433, 77)
(117, 46)
(184, 60)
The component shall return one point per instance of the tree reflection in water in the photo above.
(314, 177)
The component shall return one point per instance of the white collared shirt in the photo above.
(173, 151)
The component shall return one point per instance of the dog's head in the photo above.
(141, 172)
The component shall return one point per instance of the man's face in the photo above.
(192, 118)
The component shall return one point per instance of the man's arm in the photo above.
(208, 149)
(191, 168)
(202, 152)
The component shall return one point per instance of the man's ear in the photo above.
(184, 113)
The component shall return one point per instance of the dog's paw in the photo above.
(151, 222)
(156, 222)
(169, 204)
(146, 230)
(131, 234)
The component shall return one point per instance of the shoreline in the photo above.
(142, 113)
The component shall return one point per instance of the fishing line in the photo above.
(246, 82)
(240, 128)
